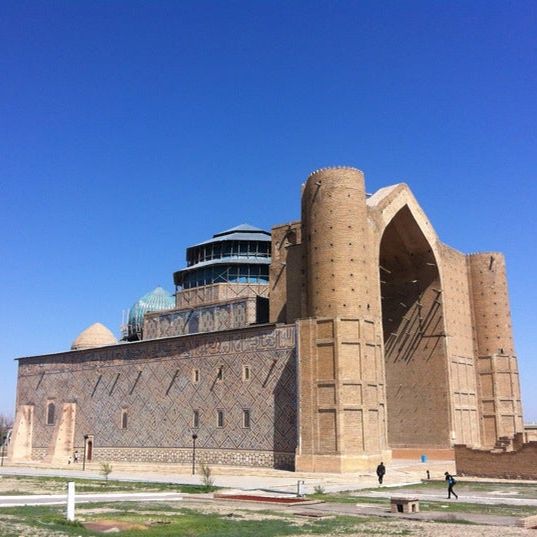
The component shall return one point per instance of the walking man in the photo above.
(381, 470)
(450, 484)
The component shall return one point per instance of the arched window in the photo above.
(124, 419)
(51, 413)
(246, 418)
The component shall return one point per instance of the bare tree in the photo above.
(6, 423)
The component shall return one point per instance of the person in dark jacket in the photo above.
(450, 484)
(381, 470)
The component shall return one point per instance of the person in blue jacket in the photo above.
(450, 484)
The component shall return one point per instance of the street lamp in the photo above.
(194, 437)
(84, 456)
(3, 446)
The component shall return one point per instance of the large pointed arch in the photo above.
(414, 336)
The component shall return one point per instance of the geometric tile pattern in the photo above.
(153, 381)
(211, 318)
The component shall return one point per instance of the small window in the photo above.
(196, 419)
(220, 373)
(51, 413)
(195, 375)
(124, 419)
(246, 418)
(245, 372)
(219, 418)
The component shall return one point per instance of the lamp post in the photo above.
(3, 446)
(84, 456)
(194, 437)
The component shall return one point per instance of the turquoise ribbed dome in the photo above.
(157, 300)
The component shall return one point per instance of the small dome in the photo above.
(157, 300)
(96, 335)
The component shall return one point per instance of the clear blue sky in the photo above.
(130, 130)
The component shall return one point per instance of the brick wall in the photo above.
(287, 274)
(219, 457)
(460, 347)
(497, 368)
(153, 382)
(342, 388)
(517, 464)
(210, 318)
(218, 293)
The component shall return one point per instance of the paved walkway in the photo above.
(487, 499)
(59, 499)
(399, 473)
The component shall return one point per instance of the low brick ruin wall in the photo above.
(517, 464)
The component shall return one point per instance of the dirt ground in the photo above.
(435, 529)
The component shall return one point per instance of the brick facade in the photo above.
(385, 338)
(520, 462)
(440, 320)
(209, 318)
(154, 383)
(217, 293)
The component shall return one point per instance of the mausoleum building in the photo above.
(329, 344)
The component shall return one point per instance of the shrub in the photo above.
(106, 469)
(207, 479)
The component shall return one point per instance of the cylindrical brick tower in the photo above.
(334, 216)
(492, 315)
(342, 417)
(497, 368)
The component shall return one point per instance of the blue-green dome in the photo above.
(157, 300)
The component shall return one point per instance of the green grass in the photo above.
(341, 497)
(449, 506)
(523, 490)
(454, 521)
(172, 522)
(15, 492)
(50, 520)
(192, 523)
(25, 484)
(479, 508)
